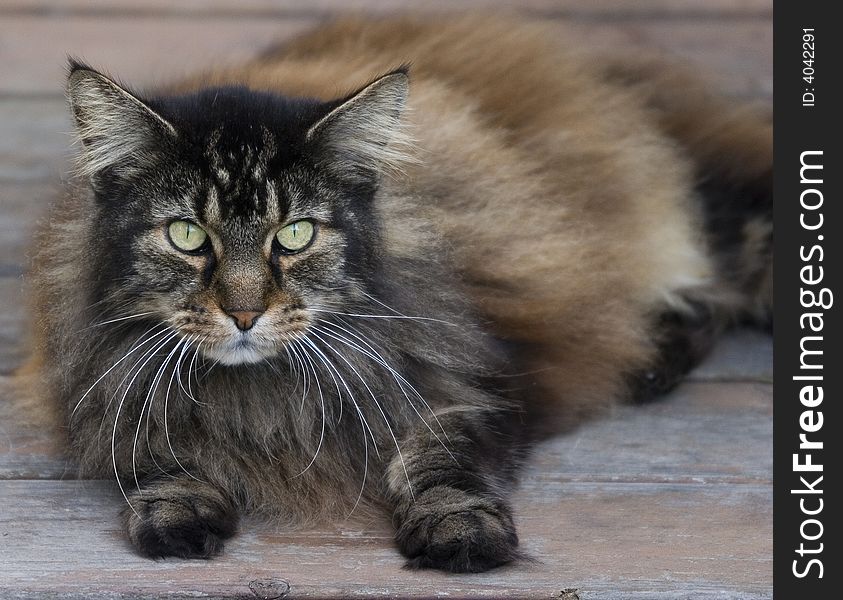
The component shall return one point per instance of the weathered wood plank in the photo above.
(608, 540)
(21, 205)
(700, 432)
(140, 50)
(26, 451)
(740, 355)
(145, 50)
(35, 142)
(591, 8)
(738, 54)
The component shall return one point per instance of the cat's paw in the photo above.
(188, 521)
(456, 531)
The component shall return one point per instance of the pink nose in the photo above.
(244, 319)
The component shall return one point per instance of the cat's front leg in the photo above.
(179, 517)
(451, 511)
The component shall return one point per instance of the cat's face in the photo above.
(233, 217)
(241, 247)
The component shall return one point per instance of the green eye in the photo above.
(187, 236)
(296, 236)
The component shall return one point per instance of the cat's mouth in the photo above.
(241, 349)
(218, 340)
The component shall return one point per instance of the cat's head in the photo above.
(233, 216)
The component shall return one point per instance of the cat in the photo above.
(367, 269)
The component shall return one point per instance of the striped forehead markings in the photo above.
(212, 213)
(250, 159)
(265, 153)
(240, 175)
(215, 161)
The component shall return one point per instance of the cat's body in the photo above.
(561, 233)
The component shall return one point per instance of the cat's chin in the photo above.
(237, 353)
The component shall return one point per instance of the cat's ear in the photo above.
(362, 136)
(119, 133)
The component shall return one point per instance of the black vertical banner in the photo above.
(808, 229)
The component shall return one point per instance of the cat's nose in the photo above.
(244, 319)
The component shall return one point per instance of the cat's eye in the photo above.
(187, 236)
(295, 237)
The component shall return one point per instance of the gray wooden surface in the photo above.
(670, 500)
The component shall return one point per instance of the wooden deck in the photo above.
(672, 500)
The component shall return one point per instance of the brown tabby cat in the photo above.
(267, 296)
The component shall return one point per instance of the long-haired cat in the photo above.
(365, 268)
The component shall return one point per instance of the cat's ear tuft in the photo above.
(363, 135)
(119, 133)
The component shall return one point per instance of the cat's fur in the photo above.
(513, 233)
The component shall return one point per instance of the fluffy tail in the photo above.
(730, 144)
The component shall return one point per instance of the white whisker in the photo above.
(305, 376)
(194, 366)
(148, 401)
(377, 404)
(187, 392)
(166, 427)
(380, 358)
(322, 402)
(398, 379)
(368, 316)
(117, 419)
(386, 306)
(135, 316)
(331, 367)
(363, 424)
(289, 357)
(149, 352)
(131, 351)
(209, 369)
